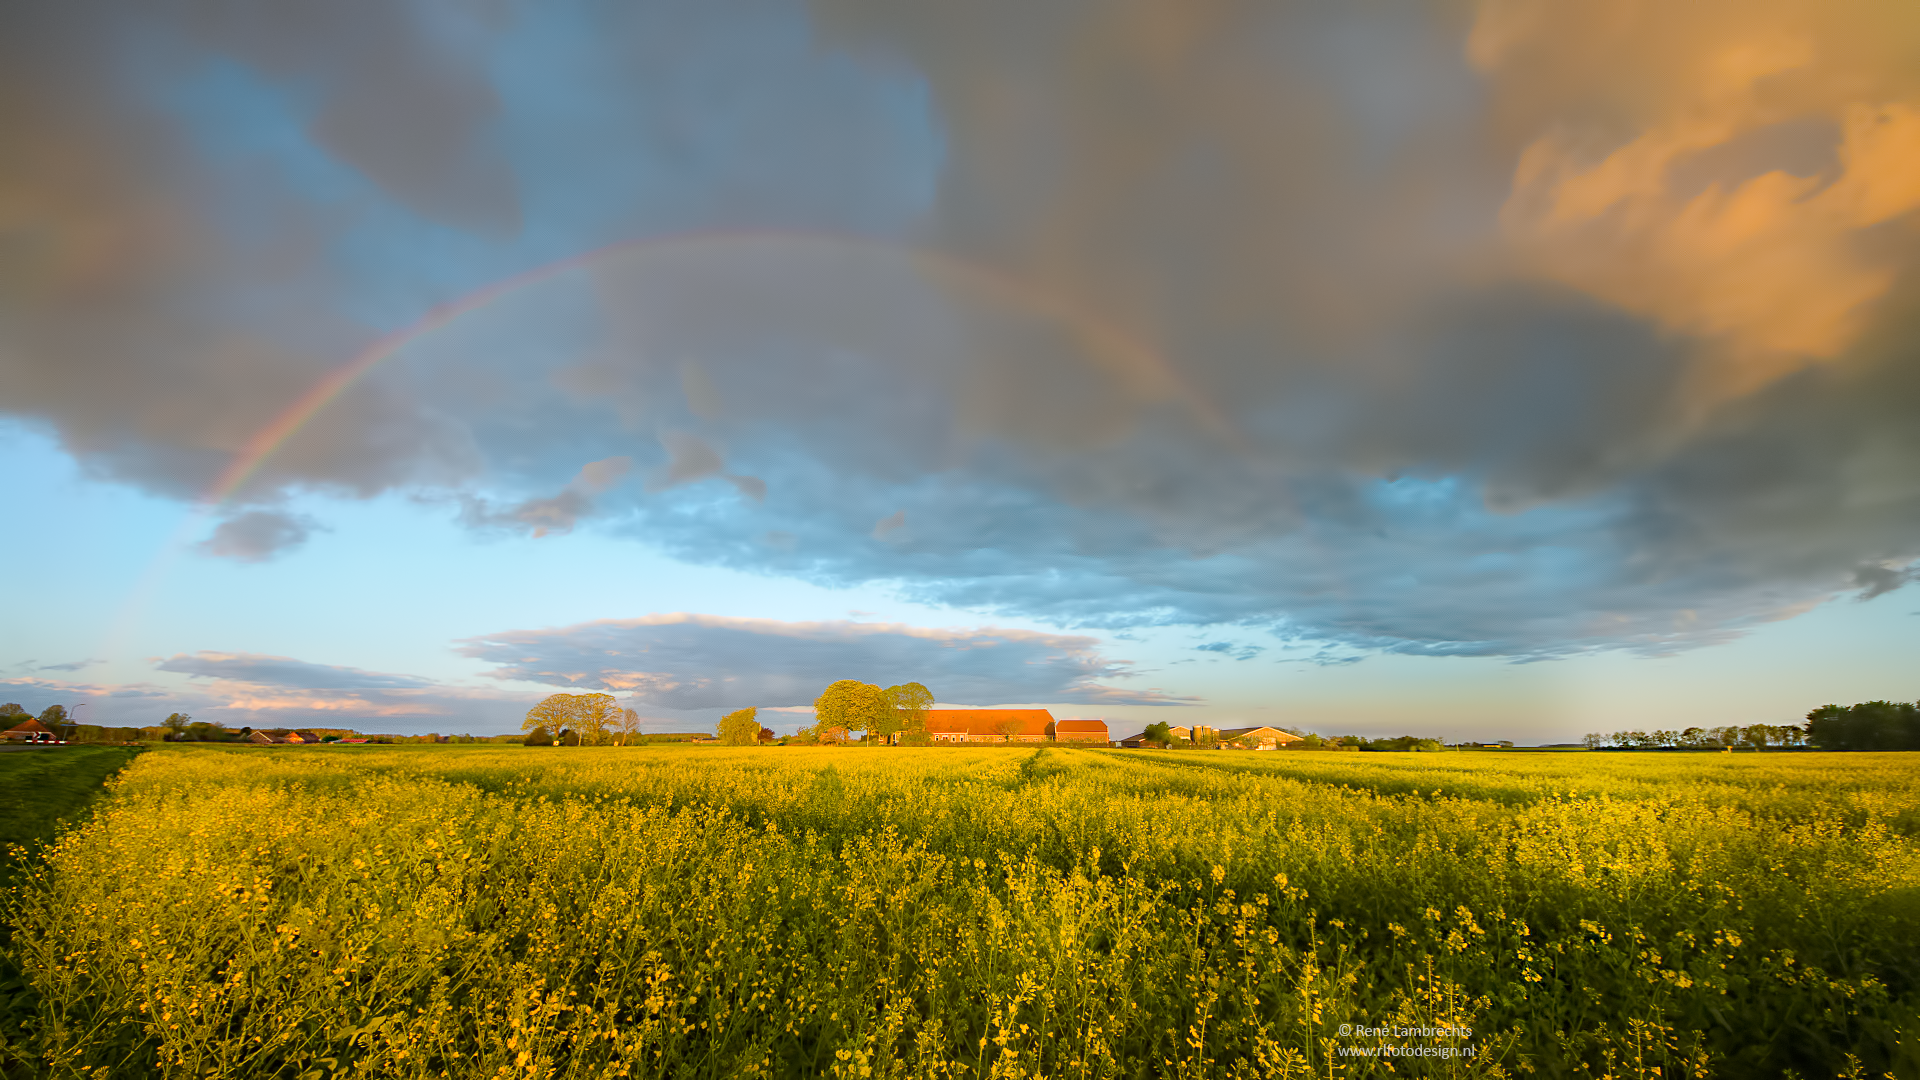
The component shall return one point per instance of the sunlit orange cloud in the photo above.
(1770, 266)
(270, 702)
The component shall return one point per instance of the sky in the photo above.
(1480, 370)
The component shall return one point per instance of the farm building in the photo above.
(989, 725)
(283, 737)
(1089, 731)
(1257, 738)
(30, 731)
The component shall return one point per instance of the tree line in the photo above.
(896, 715)
(1869, 725)
(182, 727)
(1755, 736)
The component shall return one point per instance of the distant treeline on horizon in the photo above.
(1869, 725)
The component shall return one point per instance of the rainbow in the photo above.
(1146, 368)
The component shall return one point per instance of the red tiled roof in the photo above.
(31, 726)
(1081, 727)
(987, 721)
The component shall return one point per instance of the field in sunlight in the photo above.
(507, 911)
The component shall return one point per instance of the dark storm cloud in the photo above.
(687, 662)
(283, 671)
(1498, 330)
(205, 207)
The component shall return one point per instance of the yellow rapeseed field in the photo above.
(875, 912)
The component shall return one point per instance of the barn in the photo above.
(989, 725)
(1082, 731)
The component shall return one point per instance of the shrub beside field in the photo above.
(675, 911)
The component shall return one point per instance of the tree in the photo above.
(539, 736)
(176, 723)
(54, 715)
(1870, 725)
(910, 702)
(13, 713)
(629, 725)
(1160, 733)
(596, 717)
(851, 705)
(740, 727)
(587, 716)
(552, 713)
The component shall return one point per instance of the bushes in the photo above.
(94, 733)
(539, 736)
(1399, 745)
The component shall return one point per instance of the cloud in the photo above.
(283, 671)
(237, 702)
(687, 662)
(1738, 206)
(252, 685)
(1492, 330)
(1231, 650)
(1879, 580)
(216, 211)
(555, 513)
(71, 665)
(691, 459)
(257, 535)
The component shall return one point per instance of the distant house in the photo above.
(301, 737)
(30, 731)
(989, 725)
(261, 738)
(1138, 742)
(1257, 738)
(1087, 731)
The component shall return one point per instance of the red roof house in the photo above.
(989, 725)
(1091, 731)
(31, 730)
